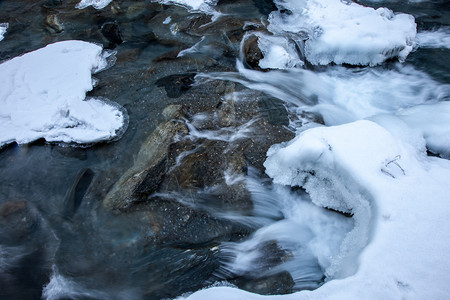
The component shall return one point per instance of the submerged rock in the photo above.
(53, 24)
(111, 31)
(176, 85)
(26, 249)
(150, 166)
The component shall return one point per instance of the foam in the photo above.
(43, 96)
(334, 31)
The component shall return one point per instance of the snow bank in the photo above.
(42, 96)
(333, 31)
(439, 38)
(97, 4)
(399, 198)
(3, 28)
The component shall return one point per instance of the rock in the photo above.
(226, 113)
(53, 25)
(52, 3)
(149, 167)
(75, 194)
(277, 284)
(111, 31)
(252, 53)
(17, 221)
(273, 110)
(136, 9)
(27, 247)
(176, 85)
(265, 7)
(177, 225)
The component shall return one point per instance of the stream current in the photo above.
(214, 217)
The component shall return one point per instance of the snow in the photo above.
(333, 31)
(205, 6)
(43, 95)
(439, 38)
(97, 4)
(3, 28)
(399, 198)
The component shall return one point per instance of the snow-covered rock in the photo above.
(97, 4)
(43, 93)
(334, 31)
(400, 201)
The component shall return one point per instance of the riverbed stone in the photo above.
(151, 159)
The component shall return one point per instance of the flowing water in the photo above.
(57, 239)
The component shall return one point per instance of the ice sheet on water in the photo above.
(3, 28)
(334, 31)
(399, 199)
(43, 96)
(97, 4)
(439, 38)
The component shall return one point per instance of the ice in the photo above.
(399, 199)
(439, 38)
(43, 95)
(97, 4)
(278, 53)
(333, 31)
(3, 28)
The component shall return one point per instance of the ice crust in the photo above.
(333, 31)
(97, 4)
(3, 28)
(43, 93)
(205, 6)
(399, 198)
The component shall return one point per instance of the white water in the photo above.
(439, 38)
(309, 236)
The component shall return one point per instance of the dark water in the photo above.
(57, 239)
